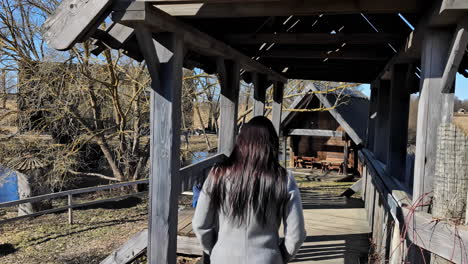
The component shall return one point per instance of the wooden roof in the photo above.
(335, 40)
(352, 115)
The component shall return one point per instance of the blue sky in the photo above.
(461, 88)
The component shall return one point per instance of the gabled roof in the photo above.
(352, 116)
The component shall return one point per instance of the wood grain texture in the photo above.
(287, 8)
(72, 21)
(456, 52)
(431, 103)
(165, 117)
(315, 133)
(229, 76)
(195, 173)
(131, 249)
(139, 13)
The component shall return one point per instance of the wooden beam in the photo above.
(430, 111)
(194, 174)
(259, 96)
(454, 5)
(229, 76)
(348, 129)
(372, 117)
(278, 89)
(139, 13)
(315, 133)
(439, 15)
(130, 250)
(381, 122)
(136, 246)
(72, 22)
(398, 124)
(366, 55)
(164, 62)
(181, 2)
(311, 38)
(456, 52)
(345, 155)
(287, 8)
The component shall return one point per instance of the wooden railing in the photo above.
(190, 175)
(398, 227)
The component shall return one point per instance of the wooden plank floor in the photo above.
(337, 230)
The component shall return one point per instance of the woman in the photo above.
(244, 200)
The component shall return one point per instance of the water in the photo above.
(200, 155)
(8, 186)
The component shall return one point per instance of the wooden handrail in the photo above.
(434, 235)
(72, 192)
(190, 175)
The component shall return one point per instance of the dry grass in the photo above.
(198, 143)
(461, 120)
(95, 234)
(50, 239)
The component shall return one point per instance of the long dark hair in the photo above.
(256, 179)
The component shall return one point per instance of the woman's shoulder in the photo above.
(291, 181)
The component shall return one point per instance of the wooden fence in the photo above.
(400, 233)
(190, 175)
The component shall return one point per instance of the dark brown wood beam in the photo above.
(286, 8)
(367, 55)
(140, 13)
(311, 38)
(180, 2)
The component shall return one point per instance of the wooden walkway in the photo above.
(337, 230)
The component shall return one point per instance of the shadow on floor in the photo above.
(328, 247)
(316, 200)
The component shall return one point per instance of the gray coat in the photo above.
(228, 243)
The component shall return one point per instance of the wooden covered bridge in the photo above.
(267, 42)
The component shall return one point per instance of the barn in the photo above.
(326, 129)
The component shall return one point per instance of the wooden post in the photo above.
(431, 113)
(70, 210)
(164, 61)
(399, 111)
(277, 105)
(346, 155)
(259, 81)
(229, 74)
(355, 157)
(285, 150)
(291, 152)
(372, 117)
(381, 123)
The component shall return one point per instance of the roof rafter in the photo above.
(138, 13)
(311, 38)
(286, 8)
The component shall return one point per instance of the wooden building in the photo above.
(267, 42)
(322, 137)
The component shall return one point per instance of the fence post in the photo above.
(70, 210)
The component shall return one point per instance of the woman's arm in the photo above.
(203, 222)
(293, 221)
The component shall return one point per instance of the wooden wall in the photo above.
(318, 147)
